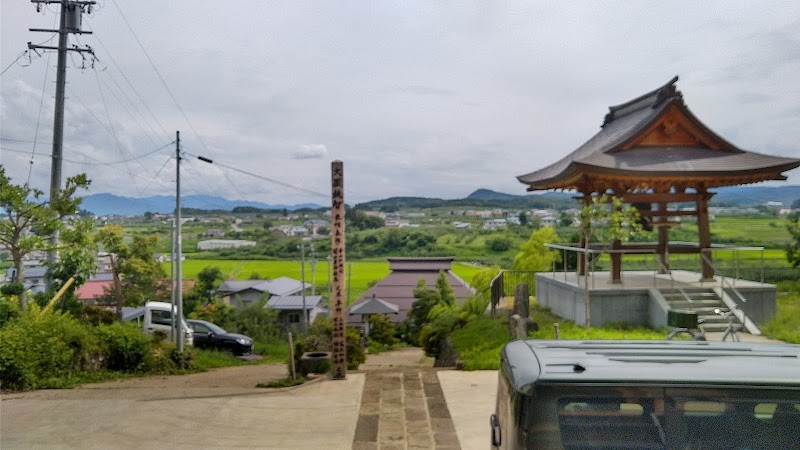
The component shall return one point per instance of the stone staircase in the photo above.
(704, 301)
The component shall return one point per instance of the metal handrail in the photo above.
(672, 280)
(722, 277)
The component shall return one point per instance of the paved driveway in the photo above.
(171, 413)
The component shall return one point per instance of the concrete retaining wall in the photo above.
(636, 306)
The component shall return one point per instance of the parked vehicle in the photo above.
(647, 394)
(157, 316)
(208, 335)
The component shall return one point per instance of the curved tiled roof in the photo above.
(611, 151)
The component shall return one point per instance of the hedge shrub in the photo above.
(54, 350)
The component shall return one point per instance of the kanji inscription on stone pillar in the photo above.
(338, 346)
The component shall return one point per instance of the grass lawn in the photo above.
(480, 341)
(364, 272)
(786, 323)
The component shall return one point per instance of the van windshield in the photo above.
(684, 422)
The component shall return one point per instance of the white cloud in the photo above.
(310, 151)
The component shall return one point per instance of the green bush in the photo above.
(382, 330)
(125, 346)
(45, 350)
(9, 308)
(55, 350)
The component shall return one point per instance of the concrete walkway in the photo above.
(404, 409)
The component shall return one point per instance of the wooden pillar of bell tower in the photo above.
(616, 262)
(583, 258)
(663, 240)
(704, 232)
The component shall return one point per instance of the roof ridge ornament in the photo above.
(652, 99)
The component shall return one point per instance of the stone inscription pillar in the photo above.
(338, 346)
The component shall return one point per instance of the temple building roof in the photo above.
(655, 142)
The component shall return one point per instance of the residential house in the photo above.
(397, 223)
(290, 308)
(495, 224)
(315, 225)
(244, 292)
(217, 244)
(397, 288)
(93, 290)
(214, 233)
(34, 276)
(548, 221)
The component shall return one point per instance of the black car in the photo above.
(208, 335)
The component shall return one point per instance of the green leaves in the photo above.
(608, 218)
(533, 255)
(30, 221)
(793, 247)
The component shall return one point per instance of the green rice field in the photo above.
(363, 272)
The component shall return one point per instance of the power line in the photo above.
(27, 52)
(262, 177)
(161, 78)
(155, 177)
(111, 125)
(98, 163)
(133, 88)
(39, 116)
(114, 165)
(14, 61)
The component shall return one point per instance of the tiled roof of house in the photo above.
(280, 286)
(374, 306)
(293, 302)
(93, 289)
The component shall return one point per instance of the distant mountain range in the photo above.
(109, 204)
(115, 205)
(733, 196)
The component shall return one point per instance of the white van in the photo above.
(157, 316)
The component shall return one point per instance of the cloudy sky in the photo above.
(418, 98)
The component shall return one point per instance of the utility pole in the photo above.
(178, 275)
(313, 264)
(70, 22)
(172, 276)
(303, 282)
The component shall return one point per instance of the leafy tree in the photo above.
(359, 220)
(426, 300)
(30, 220)
(76, 259)
(208, 280)
(533, 255)
(498, 245)
(138, 277)
(793, 247)
(523, 219)
(382, 330)
(565, 220)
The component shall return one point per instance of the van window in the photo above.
(678, 422)
(162, 318)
